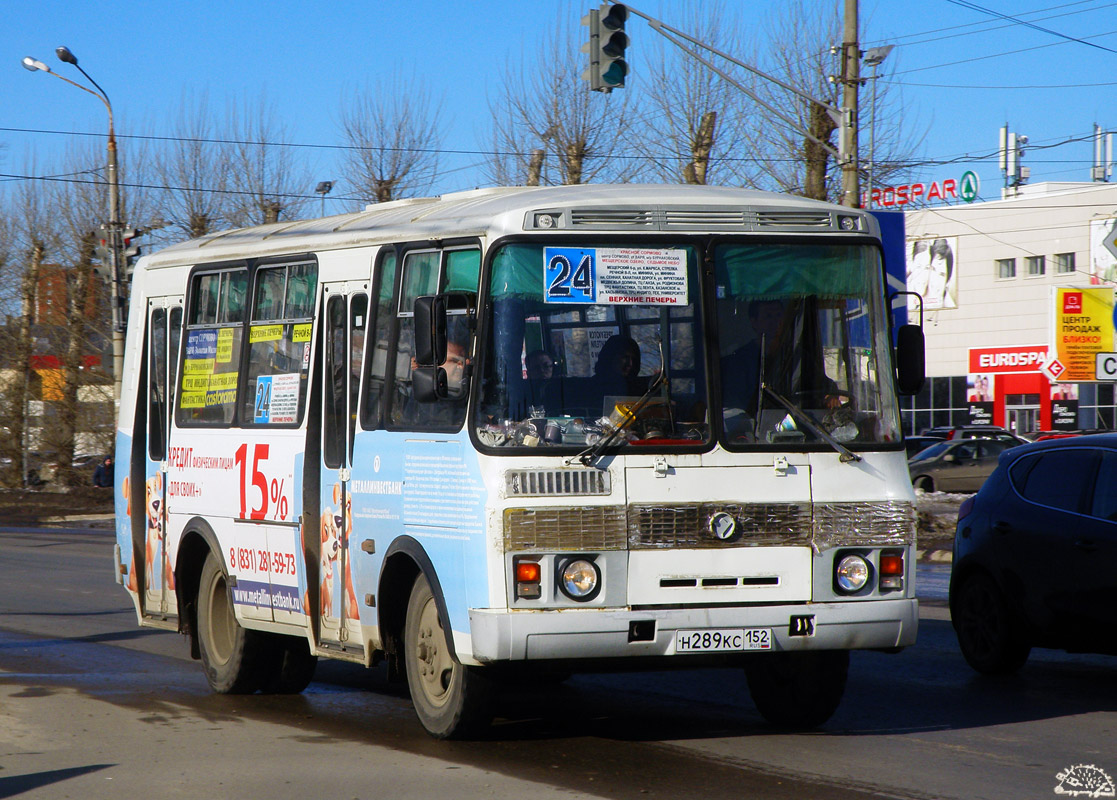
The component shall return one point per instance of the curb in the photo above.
(934, 556)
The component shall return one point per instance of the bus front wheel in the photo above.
(451, 700)
(798, 690)
(231, 655)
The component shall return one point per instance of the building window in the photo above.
(1035, 266)
(1064, 262)
(1006, 267)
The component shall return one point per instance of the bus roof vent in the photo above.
(794, 219)
(704, 219)
(612, 218)
(556, 482)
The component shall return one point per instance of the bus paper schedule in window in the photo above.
(615, 276)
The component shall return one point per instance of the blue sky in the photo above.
(961, 73)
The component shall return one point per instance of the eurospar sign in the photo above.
(1025, 358)
(965, 189)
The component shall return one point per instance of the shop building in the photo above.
(997, 326)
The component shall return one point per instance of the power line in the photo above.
(1027, 24)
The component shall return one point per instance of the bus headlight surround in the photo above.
(579, 579)
(851, 573)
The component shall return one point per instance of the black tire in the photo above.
(291, 665)
(986, 635)
(924, 484)
(798, 691)
(450, 699)
(231, 655)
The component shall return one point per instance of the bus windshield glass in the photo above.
(593, 342)
(804, 345)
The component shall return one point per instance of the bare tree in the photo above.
(549, 108)
(85, 394)
(193, 171)
(799, 52)
(393, 132)
(694, 128)
(266, 182)
(31, 236)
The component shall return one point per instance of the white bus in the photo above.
(523, 430)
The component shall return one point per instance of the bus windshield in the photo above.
(606, 341)
(578, 340)
(804, 344)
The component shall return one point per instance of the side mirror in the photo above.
(949, 458)
(430, 330)
(428, 384)
(911, 364)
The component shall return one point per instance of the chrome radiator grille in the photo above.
(584, 528)
(687, 526)
(885, 522)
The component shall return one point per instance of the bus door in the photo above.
(345, 321)
(149, 529)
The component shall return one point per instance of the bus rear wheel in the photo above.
(451, 700)
(231, 655)
(798, 691)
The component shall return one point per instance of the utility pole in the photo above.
(851, 84)
(844, 117)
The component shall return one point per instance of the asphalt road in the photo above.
(92, 706)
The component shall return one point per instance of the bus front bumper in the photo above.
(499, 635)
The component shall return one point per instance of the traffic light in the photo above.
(606, 46)
(102, 252)
(130, 249)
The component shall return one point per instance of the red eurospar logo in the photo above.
(1072, 302)
(1026, 358)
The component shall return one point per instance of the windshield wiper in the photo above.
(803, 417)
(594, 451)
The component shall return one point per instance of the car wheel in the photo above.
(231, 655)
(451, 700)
(981, 618)
(797, 691)
(924, 485)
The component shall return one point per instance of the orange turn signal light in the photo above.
(891, 565)
(527, 572)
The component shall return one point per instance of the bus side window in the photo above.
(278, 370)
(428, 273)
(420, 277)
(211, 360)
(157, 386)
(380, 341)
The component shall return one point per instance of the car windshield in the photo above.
(803, 335)
(934, 451)
(593, 343)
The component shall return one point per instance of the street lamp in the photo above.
(874, 56)
(324, 188)
(115, 225)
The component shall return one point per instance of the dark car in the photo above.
(1035, 555)
(957, 465)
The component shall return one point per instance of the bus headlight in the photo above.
(851, 574)
(579, 579)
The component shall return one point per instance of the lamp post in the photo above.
(873, 58)
(115, 225)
